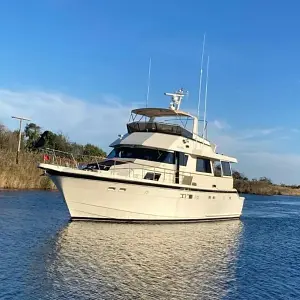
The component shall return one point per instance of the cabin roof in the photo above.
(160, 112)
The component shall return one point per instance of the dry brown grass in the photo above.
(264, 188)
(25, 175)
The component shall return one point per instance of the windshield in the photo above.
(143, 153)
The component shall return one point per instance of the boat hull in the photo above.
(106, 200)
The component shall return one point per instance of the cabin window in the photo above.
(183, 158)
(217, 169)
(152, 176)
(203, 165)
(112, 154)
(143, 153)
(226, 170)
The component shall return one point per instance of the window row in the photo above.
(202, 164)
(220, 168)
(148, 154)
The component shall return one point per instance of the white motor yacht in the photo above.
(160, 170)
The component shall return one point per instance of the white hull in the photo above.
(109, 200)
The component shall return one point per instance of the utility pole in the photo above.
(20, 135)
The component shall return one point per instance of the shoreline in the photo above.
(265, 187)
(26, 190)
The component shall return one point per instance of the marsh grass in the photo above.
(24, 175)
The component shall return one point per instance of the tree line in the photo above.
(261, 186)
(57, 141)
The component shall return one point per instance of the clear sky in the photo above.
(80, 66)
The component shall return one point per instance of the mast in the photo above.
(200, 80)
(205, 99)
(149, 75)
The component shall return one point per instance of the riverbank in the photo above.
(257, 187)
(26, 176)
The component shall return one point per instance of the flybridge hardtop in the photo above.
(160, 112)
(140, 123)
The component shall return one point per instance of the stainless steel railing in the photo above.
(123, 167)
(67, 159)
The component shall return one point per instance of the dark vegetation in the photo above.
(58, 141)
(26, 175)
(262, 186)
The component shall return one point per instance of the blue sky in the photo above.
(91, 57)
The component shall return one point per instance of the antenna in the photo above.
(176, 99)
(200, 80)
(205, 98)
(187, 95)
(149, 74)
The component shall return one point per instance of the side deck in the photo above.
(133, 169)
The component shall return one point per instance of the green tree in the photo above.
(93, 150)
(77, 149)
(265, 180)
(32, 133)
(239, 176)
(50, 140)
(58, 142)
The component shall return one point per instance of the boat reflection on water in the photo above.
(135, 261)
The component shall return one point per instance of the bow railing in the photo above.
(68, 159)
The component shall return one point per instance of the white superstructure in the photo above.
(157, 171)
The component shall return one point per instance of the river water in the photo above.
(44, 256)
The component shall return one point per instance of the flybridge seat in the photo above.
(158, 127)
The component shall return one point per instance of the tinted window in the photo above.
(183, 158)
(152, 176)
(112, 154)
(143, 153)
(226, 168)
(217, 169)
(203, 165)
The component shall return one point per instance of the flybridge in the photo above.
(147, 119)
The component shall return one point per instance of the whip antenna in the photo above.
(205, 98)
(149, 76)
(200, 80)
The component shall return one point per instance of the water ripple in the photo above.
(44, 257)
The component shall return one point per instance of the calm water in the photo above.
(43, 256)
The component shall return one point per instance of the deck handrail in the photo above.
(135, 169)
(67, 159)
